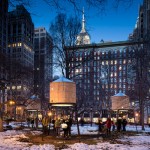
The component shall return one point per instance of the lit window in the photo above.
(132, 103)
(120, 68)
(38, 69)
(77, 70)
(19, 87)
(13, 87)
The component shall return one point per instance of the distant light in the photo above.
(62, 105)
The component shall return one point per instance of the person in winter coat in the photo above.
(124, 123)
(57, 126)
(64, 126)
(108, 126)
(118, 123)
(99, 126)
(113, 125)
(45, 123)
(32, 122)
(69, 124)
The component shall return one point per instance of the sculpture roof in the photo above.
(120, 94)
(62, 79)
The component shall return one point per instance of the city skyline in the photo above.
(113, 25)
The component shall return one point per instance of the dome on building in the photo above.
(83, 37)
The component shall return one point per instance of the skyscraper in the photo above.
(83, 37)
(3, 48)
(43, 69)
(3, 25)
(20, 49)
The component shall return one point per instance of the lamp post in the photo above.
(49, 115)
(12, 103)
(136, 115)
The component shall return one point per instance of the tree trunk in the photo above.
(76, 116)
(142, 114)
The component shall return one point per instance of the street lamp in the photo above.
(49, 115)
(12, 103)
(136, 115)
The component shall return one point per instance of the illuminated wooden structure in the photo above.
(120, 101)
(62, 92)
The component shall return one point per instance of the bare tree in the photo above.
(99, 5)
(63, 31)
(138, 73)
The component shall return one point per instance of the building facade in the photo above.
(100, 73)
(103, 70)
(3, 49)
(21, 53)
(142, 31)
(43, 59)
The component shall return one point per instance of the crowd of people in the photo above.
(112, 125)
(58, 125)
(64, 124)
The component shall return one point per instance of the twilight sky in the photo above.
(111, 25)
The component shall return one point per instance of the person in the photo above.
(57, 127)
(118, 123)
(64, 127)
(69, 124)
(32, 122)
(45, 122)
(113, 125)
(99, 125)
(124, 123)
(82, 122)
(28, 122)
(53, 124)
(108, 126)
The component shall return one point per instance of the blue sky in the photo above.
(113, 24)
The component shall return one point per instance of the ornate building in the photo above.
(83, 37)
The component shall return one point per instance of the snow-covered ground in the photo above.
(9, 140)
